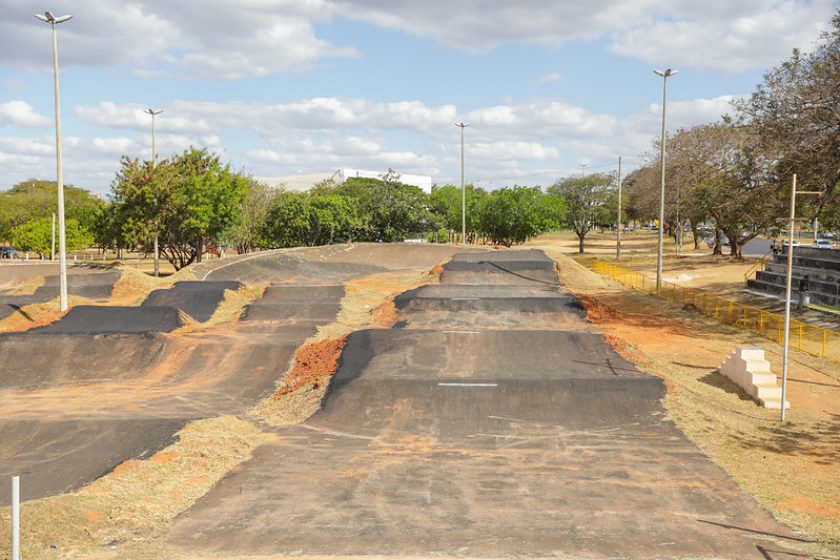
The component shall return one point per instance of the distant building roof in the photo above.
(301, 182)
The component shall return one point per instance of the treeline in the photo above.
(736, 174)
(192, 203)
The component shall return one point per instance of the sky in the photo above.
(284, 87)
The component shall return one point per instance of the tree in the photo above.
(36, 198)
(289, 221)
(245, 233)
(445, 202)
(515, 214)
(36, 235)
(795, 115)
(186, 201)
(584, 196)
(388, 209)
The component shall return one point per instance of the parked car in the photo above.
(795, 243)
(7, 252)
(822, 244)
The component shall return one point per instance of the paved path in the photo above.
(483, 440)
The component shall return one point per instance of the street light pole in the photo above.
(788, 287)
(462, 126)
(152, 112)
(665, 75)
(48, 17)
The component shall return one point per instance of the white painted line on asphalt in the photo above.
(468, 384)
(466, 299)
(461, 332)
(334, 433)
(508, 419)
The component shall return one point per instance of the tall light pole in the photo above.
(618, 216)
(665, 75)
(788, 286)
(583, 167)
(153, 113)
(48, 17)
(462, 126)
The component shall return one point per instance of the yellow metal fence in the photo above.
(811, 339)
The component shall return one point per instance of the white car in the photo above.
(822, 244)
(795, 243)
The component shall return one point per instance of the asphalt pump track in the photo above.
(478, 440)
(107, 384)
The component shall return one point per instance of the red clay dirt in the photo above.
(315, 363)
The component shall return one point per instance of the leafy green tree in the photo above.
(333, 218)
(289, 221)
(245, 234)
(36, 235)
(36, 198)
(388, 210)
(515, 214)
(445, 202)
(187, 201)
(584, 198)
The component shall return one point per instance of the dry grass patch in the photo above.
(28, 286)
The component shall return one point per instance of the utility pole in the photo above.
(665, 75)
(788, 286)
(462, 126)
(48, 17)
(153, 113)
(618, 216)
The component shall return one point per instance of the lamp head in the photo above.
(48, 17)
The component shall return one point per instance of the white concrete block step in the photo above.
(747, 368)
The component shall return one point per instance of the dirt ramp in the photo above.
(317, 304)
(53, 457)
(91, 319)
(199, 300)
(48, 360)
(459, 380)
(95, 285)
(502, 267)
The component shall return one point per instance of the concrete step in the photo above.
(774, 404)
(764, 392)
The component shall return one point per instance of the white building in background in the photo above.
(300, 183)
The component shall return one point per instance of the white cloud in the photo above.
(21, 113)
(719, 35)
(220, 39)
(759, 35)
(526, 139)
(549, 78)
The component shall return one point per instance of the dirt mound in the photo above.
(91, 319)
(596, 311)
(315, 363)
(199, 300)
(500, 268)
(574, 275)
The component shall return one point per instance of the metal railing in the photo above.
(811, 339)
(760, 265)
